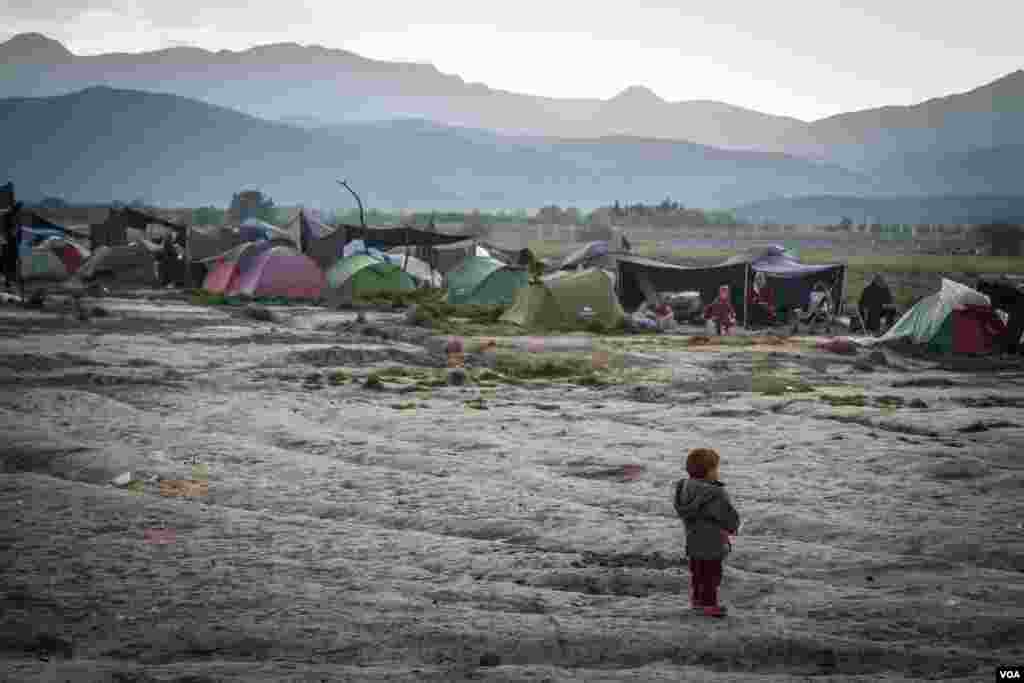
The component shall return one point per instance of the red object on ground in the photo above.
(975, 329)
(72, 258)
(454, 345)
(838, 345)
(631, 472)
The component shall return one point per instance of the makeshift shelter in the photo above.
(420, 270)
(954, 319)
(363, 274)
(211, 241)
(591, 254)
(133, 263)
(568, 302)
(790, 280)
(642, 279)
(52, 259)
(480, 280)
(266, 270)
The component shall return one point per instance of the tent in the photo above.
(254, 230)
(133, 263)
(53, 259)
(363, 274)
(954, 319)
(420, 270)
(481, 280)
(265, 270)
(595, 253)
(567, 302)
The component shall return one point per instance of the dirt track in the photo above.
(353, 534)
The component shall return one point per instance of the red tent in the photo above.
(975, 329)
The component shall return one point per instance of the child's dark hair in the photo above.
(700, 461)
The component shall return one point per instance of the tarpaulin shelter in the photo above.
(211, 241)
(790, 280)
(954, 319)
(420, 270)
(591, 254)
(480, 280)
(133, 263)
(640, 279)
(266, 270)
(570, 301)
(363, 274)
(255, 230)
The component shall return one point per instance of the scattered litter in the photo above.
(122, 479)
(838, 345)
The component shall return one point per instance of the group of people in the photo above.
(721, 314)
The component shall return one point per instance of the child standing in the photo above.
(709, 517)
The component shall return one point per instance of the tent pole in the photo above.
(841, 304)
(188, 257)
(746, 281)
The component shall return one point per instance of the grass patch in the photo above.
(200, 297)
(405, 405)
(778, 385)
(855, 400)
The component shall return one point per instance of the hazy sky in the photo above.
(802, 58)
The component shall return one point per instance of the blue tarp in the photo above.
(775, 261)
(588, 251)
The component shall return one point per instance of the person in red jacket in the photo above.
(761, 302)
(721, 311)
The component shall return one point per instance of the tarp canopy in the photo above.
(363, 274)
(327, 248)
(482, 280)
(253, 230)
(585, 255)
(445, 257)
(924, 322)
(568, 302)
(124, 263)
(638, 274)
(400, 236)
(266, 270)
(210, 242)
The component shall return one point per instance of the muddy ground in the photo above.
(419, 532)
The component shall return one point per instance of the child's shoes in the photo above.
(715, 611)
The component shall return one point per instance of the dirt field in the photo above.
(420, 532)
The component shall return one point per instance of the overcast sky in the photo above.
(802, 58)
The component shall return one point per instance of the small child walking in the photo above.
(709, 517)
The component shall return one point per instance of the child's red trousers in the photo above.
(705, 577)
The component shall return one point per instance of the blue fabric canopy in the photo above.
(777, 262)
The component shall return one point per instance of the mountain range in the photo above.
(102, 143)
(587, 149)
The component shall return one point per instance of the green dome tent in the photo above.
(483, 280)
(568, 301)
(932, 320)
(361, 274)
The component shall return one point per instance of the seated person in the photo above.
(721, 311)
(875, 303)
(761, 302)
(664, 316)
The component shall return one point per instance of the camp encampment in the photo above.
(955, 319)
(571, 301)
(482, 280)
(265, 270)
(54, 258)
(133, 263)
(363, 274)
